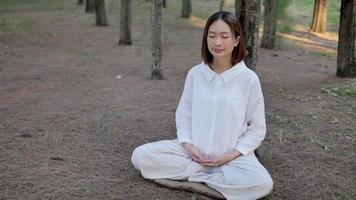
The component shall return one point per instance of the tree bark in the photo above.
(125, 22)
(186, 8)
(346, 61)
(100, 14)
(319, 16)
(164, 4)
(249, 13)
(269, 24)
(222, 4)
(241, 11)
(80, 2)
(89, 6)
(156, 20)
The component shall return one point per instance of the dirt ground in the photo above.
(68, 123)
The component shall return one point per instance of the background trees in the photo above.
(320, 16)
(89, 6)
(156, 20)
(346, 54)
(186, 8)
(100, 13)
(269, 24)
(125, 22)
(248, 12)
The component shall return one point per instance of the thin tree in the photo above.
(164, 3)
(222, 4)
(248, 14)
(125, 22)
(80, 2)
(346, 54)
(89, 6)
(156, 20)
(186, 8)
(319, 16)
(269, 24)
(100, 14)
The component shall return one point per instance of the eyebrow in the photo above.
(220, 32)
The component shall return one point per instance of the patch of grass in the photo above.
(299, 131)
(297, 98)
(284, 28)
(12, 26)
(195, 196)
(280, 135)
(83, 54)
(14, 18)
(35, 5)
(341, 196)
(340, 91)
(281, 43)
(276, 118)
(324, 54)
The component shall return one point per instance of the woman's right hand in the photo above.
(194, 153)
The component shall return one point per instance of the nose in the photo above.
(217, 42)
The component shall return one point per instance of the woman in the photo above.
(220, 121)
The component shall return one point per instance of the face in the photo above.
(221, 41)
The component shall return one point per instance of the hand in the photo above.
(194, 153)
(225, 158)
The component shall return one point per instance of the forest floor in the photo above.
(74, 105)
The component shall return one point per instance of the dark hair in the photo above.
(229, 18)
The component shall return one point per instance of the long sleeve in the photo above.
(184, 112)
(256, 122)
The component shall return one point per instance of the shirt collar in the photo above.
(227, 75)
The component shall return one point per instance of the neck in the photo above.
(220, 65)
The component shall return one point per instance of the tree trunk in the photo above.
(125, 22)
(241, 9)
(222, 4)
(89, 6)
(186, 8)
(269, 24)
(100, 13)
(346, 61)
(164, 3)
(156, 20)
(80, 2)
(249, 13)
(319, 17)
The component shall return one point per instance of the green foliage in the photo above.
(284, 28)
(281, 8)
(282, 16)
(195, 196)
(339, 91)
(333, 14)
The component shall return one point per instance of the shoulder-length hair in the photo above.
(239, 52)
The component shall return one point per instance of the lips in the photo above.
(218, 50)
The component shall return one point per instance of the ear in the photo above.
(237, 40)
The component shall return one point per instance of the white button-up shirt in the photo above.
(221, 112)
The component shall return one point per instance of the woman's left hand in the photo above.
(225, 158)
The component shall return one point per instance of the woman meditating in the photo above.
(220, 121)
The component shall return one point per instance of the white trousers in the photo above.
(242, 178)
